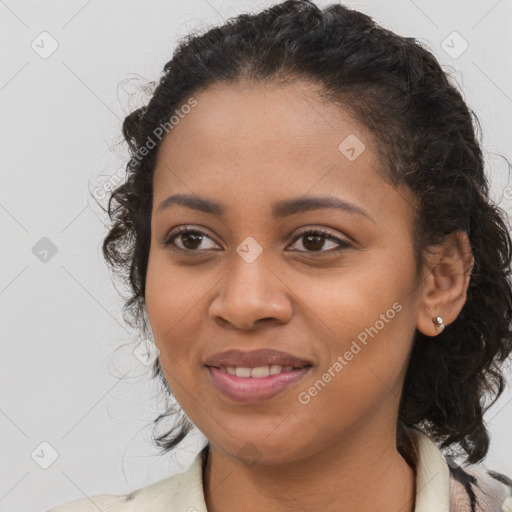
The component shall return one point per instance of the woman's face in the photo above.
(250, 280)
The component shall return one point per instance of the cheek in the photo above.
(173, 293)
(363, 358)
(167, 307)
(176, 308)
(172, 306)
(348, 299)
(362, 319)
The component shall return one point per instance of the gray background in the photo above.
(68, 374)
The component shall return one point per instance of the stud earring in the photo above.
(438, 322)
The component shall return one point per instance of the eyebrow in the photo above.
(280, 209)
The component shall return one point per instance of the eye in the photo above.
(191, 239)
(314, 240)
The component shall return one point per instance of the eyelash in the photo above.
(324, 234)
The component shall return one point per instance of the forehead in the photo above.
(254, 141)
(244, 115)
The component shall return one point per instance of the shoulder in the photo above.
(475, 487)
(152, 498)
(444, 485)
(183, 491)
(104, 502)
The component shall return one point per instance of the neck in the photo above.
(355, 475)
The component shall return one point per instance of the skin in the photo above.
(247, 145)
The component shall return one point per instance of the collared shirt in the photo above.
(441, 486)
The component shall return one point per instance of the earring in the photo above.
(438, 322)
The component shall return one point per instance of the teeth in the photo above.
(260, 371)
(243, 372)
(275, 369)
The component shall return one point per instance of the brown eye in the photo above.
(191, 239)
(314, 241)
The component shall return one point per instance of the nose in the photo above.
(251, 293)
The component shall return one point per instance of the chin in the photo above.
(263, 451)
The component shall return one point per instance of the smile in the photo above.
(244, 384)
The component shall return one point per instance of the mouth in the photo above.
(247, 385)
(259, 358)
(258, 372)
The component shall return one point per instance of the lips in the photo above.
(248, 390)
(255, 358)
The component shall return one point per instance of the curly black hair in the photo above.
(427, 138)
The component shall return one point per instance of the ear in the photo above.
(445, 282)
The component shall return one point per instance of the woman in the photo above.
(307, 231)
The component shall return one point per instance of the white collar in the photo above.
(432, 480)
